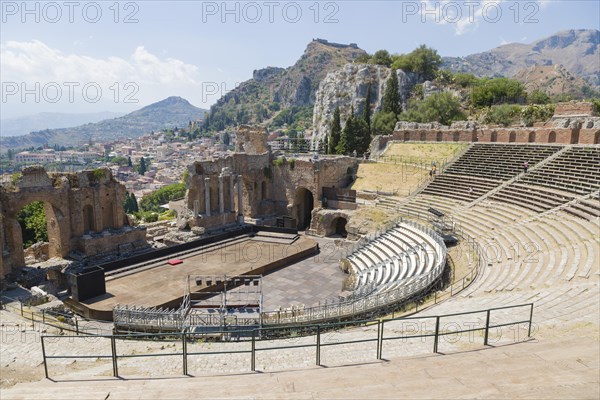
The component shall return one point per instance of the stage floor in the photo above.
(164, 283)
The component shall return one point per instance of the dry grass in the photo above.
(424, 152)
(399, 179)
(371, 218)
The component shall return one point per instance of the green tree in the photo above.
(348, 139)
(488, 92)
(362, 135)
(32, 219)
(367, 109)
(363, 59)
(120, 160)
(441, 107)
(538, 97)
(383, 123)
(130, 205)
(153, 201)
(226, 139)
(423, 61)
(391, 98)
(381, 57)
(335, 132)
(503, 114)
(142, 167)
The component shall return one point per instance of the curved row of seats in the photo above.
(569, 173)
(397, 258)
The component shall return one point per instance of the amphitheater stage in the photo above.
(161, 284)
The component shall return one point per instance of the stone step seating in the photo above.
(398, 257)
(499, 161)
(556, 259)
(560, 251)
(576, 171)
(457, 186)
(535, 198)
(586, 209)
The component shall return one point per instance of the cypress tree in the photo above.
(391, 98)
(348, 141)
(367, 110)
(335, 132)
(142, 168)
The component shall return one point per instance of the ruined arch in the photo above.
(552, 137)
(494, 137)
(406, 136)
(575, 136)
(57, 226)
(423, 136)
(338, 227)
(531, 138)
(439, 136)
(597, 137)
(455, 136)
(263, 190)
(108, 216)
(303, 206)
(89, 219)
(512, 137)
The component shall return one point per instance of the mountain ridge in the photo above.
(578, 50)
(167, 113)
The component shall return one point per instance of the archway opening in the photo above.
(597, 138)
(304, 204)
(108, 216)
(338, 227)
(89, 225)
(39, 234)
(512, 137)
(263, 190)
(575, 136)
(531, 137)
(494, 137)
(552, 137)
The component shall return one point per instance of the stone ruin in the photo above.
(256, 186)
(84, 213)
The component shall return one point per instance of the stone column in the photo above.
(221, 204)
(207, 195)
(240, 205)
(231, 195)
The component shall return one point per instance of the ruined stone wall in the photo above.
(588, 133)
(574, 108)
(267, 188)
(75, 205)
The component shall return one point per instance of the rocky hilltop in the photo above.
(348, 87)
(554, 80)
(168, 113)
(273, 89)
(577, 50)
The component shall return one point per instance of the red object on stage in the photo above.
(175, 261)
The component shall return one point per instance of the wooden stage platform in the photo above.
(162, 284)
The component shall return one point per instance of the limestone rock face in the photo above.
(348, 87)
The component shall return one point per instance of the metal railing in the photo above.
(56, 319)
(431, 327)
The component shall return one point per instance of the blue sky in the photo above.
(109, 56)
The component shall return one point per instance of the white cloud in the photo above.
(35, 61)
(466, 17)
(140, 79)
